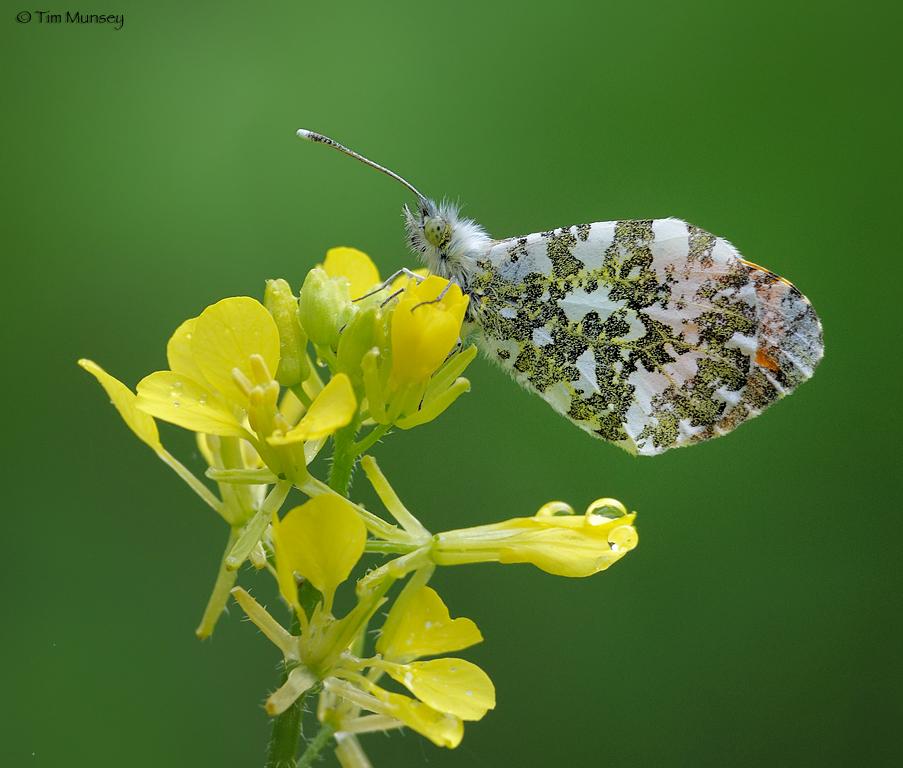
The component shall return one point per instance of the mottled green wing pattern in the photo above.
(650, 334)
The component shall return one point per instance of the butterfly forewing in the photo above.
(651, 334)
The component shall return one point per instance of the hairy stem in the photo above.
(343, 458)
(370, 439)
(286, 727)
(323, 737)
(284, 739)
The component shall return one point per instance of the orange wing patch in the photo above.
(764, 360)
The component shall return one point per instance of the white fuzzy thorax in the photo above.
(456, 257)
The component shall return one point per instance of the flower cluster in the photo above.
(265, 387)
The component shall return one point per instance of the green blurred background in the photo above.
(152, 170)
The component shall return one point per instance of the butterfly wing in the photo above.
(651, 334)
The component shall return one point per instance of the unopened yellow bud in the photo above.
(425, 328)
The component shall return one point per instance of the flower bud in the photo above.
(324, 307)
(283, 306)
(364, 331)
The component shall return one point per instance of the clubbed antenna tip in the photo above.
(319, 138)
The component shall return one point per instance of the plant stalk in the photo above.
(323, 737)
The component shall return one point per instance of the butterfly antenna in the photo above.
(319, 138)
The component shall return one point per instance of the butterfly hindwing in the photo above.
(651, 334)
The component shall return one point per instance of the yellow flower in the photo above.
(221, 383)
(413, 377)
(561, 544)
(418, 625)
(448, 690)
(216, 361)
(425, 328)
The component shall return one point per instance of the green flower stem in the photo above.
(390, 547)
(343, 457)
(225, 580)
(323, 737)
(255, 527)
(287, 730)
(227, 455)
(196, 485)
(298, 391)
(287, 727)
(242, 476)
(286, 733)
(370, 439)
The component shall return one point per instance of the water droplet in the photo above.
(604, 511)
(623, 538)
(175, 403)
(469, 693)
(555, 509)
(202, 400)
(427, 625)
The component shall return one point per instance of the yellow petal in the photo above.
(454, 300)
(332, 409)
(559, 550)
(179, 400)
(226, 335)
(422, 626)
(179, 354)
(285, 571)
(448, 685)
(355, 266)
(124, 400)
(322, 540)
(441, 728)
(434, 407)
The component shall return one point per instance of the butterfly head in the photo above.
(446, 243)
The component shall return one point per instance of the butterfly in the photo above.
(650, 334)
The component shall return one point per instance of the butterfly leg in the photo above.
(397, 293)
(439, 297)
(389, 280)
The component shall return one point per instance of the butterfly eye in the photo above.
(436, 230)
